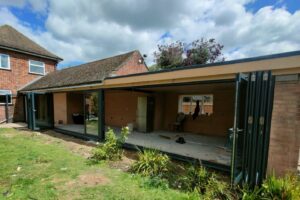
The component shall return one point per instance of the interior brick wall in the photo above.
(60, 108)
(17, 77)
(121, 109)
(216, 124)
(285, 129)
(75, 104)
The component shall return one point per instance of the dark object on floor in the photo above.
(180, 140)
(77, 118)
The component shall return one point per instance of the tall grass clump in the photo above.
(151, 163)
(285, 188)
(206, 184)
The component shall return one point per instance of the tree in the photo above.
(203, 51)
(169, 55)
(198, 52)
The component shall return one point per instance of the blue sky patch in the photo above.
(29, 17)
(291, 5)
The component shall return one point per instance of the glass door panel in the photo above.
(91, 113)
(43, 110)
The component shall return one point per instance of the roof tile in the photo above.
(91, 72)
(11, 38)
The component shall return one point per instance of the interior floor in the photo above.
(201, 147)
(77, 128)
(208, 148)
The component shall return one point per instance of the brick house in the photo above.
(247, 124)
(21, 62)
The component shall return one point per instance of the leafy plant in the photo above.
(286, 188)
(151, 163)
(204, 183)
(112, 148)
(196, 178)
(216, 189)
(250, 194)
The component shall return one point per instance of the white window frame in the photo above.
(180, 101)
(8, 59)
(10, 93)
(29, 63)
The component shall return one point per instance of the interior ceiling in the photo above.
(204, 87)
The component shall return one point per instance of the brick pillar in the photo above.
(285, 127)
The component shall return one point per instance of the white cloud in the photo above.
(16, 3)
(89, 30)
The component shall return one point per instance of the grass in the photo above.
(31, 167)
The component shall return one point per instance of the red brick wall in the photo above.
(216, 124)
(121, 109)
(132, 66)
(285, 129)
(17, 77)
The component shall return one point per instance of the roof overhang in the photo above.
(67, 88)
(227, 70)
(279, 64)
(31, 53)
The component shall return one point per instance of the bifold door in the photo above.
(39, 110)
(251, 129)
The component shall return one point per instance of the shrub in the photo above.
(216, 189)
(112, 147)
(151, 163)
(204, 183)
(286, 188)
(251, 194)
(195, 178)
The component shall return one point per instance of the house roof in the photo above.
(279, 64)
(12, 39)
(221, 63)
(92, 72)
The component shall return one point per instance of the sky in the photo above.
(80, 31)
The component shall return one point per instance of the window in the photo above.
(3, 94)
(4, 61)
(188, 103)
(36, 67)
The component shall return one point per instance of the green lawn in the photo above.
(38, 166)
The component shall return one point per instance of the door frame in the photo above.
(31, 110)
(256, 127)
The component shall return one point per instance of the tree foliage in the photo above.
(169, 55)
(180, 54)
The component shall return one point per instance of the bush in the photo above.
(248, 194)
(151, 163)
(112, 147)
(195, 178)
(286, 188)
(281, 188)
(216, 189)
(204, 183)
